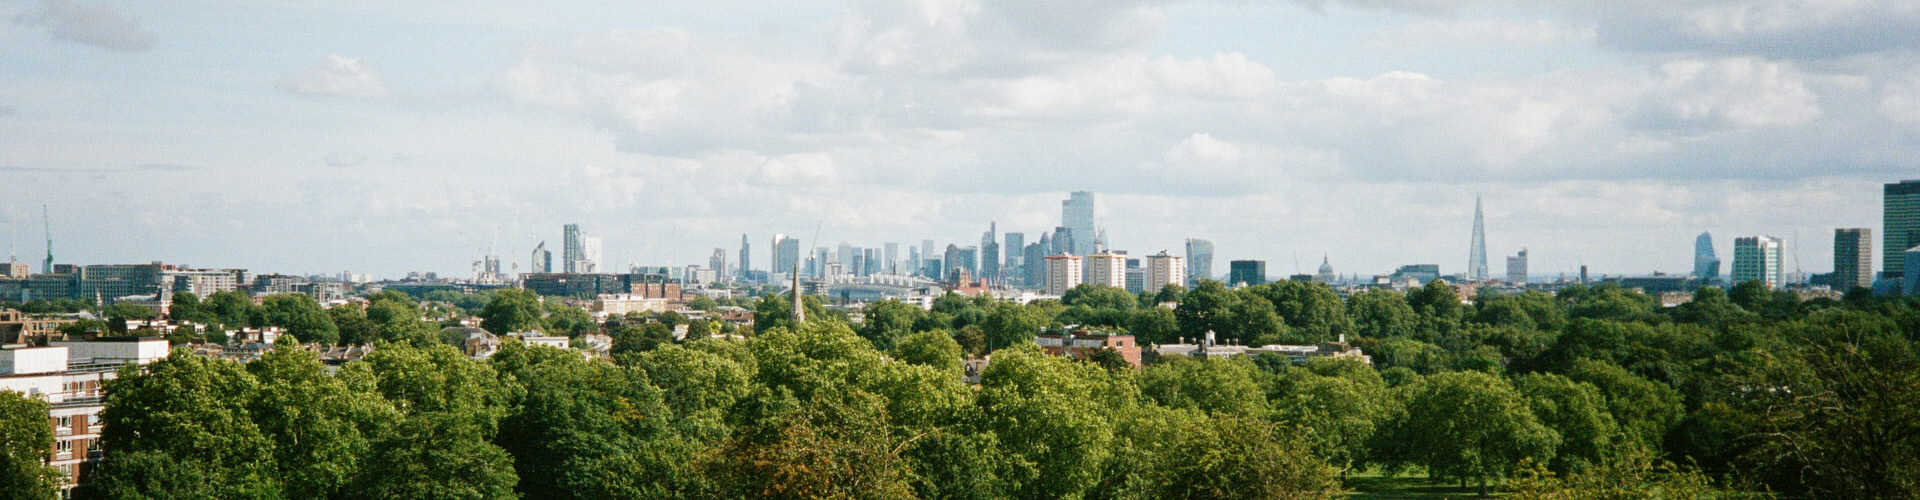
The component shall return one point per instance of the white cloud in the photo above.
(338, 76)
(97, 25)
(1736, 93)
(344, 159)
(1500, 33)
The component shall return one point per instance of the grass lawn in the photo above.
(1373, 484)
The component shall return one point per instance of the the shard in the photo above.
(1477, 257)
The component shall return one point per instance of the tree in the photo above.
(128, 310)
(1382, 314)
(352, 323)
(1009, 325)
(183, 426)
(829, 448)
(935, 349)
(1183, 454)
(1215, 386)
(187, 307)
(563, 319)
(887, 321)
(1052, 419)
(1207, 308)
(302, 317)
(233, 309)
(450, 410)
(1467, 425)
(321, 427)
(772, 311)
(1578, 412)
(1312, 312)
(1643, 409)
(397, 322)
(512, 310)
(1437, 309)
(26, 442)
(1171, 293)
(1100, 297)
(1339, 413)
(1154, 325)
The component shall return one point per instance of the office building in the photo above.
(1063, 273)
(542, 259)
(1419, 273)
(717, 264)
(1706, 263)
(1910, 282)
(595, 255)
(892, 265)
(1062, 243)
(990, 252)
(786, 254)
(1035, 269)
(1247, 272)
(1900, 223)
(1136, 276)
(573, 249)
(1107, 268)
(1477, 254)
(746, 258)
(1758, 258)
(1852, 258)
(1016, 250)
(1199, 260)
(1165, 269)
(1076, 215)
(1517, 268)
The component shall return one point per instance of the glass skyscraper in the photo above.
(1199, 260)
(1076, 214)
(1706, 264)
(1900, 224)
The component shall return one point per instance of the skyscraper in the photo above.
(746, 258)
(1477, 254)
(1076, 214)
(1199, 260)
(1852, 258)
(786, 254)
(892, 265)
(1035, 264)
(990, 252)
(718, 262)
(1706, 264)
(542, 259)
(592, 250)
(1063, 273)
(1063, 242)
(572, 249)
(1900, 219)
(1164, 269)
(1107, 268)
(1517, 268)
(1015, 249)
(1758, 258)
(1250, 272)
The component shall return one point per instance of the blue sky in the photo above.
(389, 136)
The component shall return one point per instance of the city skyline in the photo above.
(296, 138)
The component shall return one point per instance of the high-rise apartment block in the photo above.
(1107, 268)
(1852, 258)
(1900, 219)
(1063, 273)
(1758, 258)
(1164, 269)
(1248, 272)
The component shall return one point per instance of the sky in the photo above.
(387, 136)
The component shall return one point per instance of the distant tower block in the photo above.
(1477, 255)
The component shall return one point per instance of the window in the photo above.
(64, 446)
(62, 422)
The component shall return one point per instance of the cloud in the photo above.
(344, 159)
(338, 76)
(8, 110)
(96, 25)
(1499, 33)
(144, 167)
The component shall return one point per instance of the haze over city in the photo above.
(384, 137)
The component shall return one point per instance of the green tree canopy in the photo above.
(512, 310)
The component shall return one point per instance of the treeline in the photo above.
(1591, 392)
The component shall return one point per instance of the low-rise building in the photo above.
(69, 377)
(1082, 344)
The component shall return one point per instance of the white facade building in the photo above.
(1107, 268)
(1164, 269)
(1063, 273)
